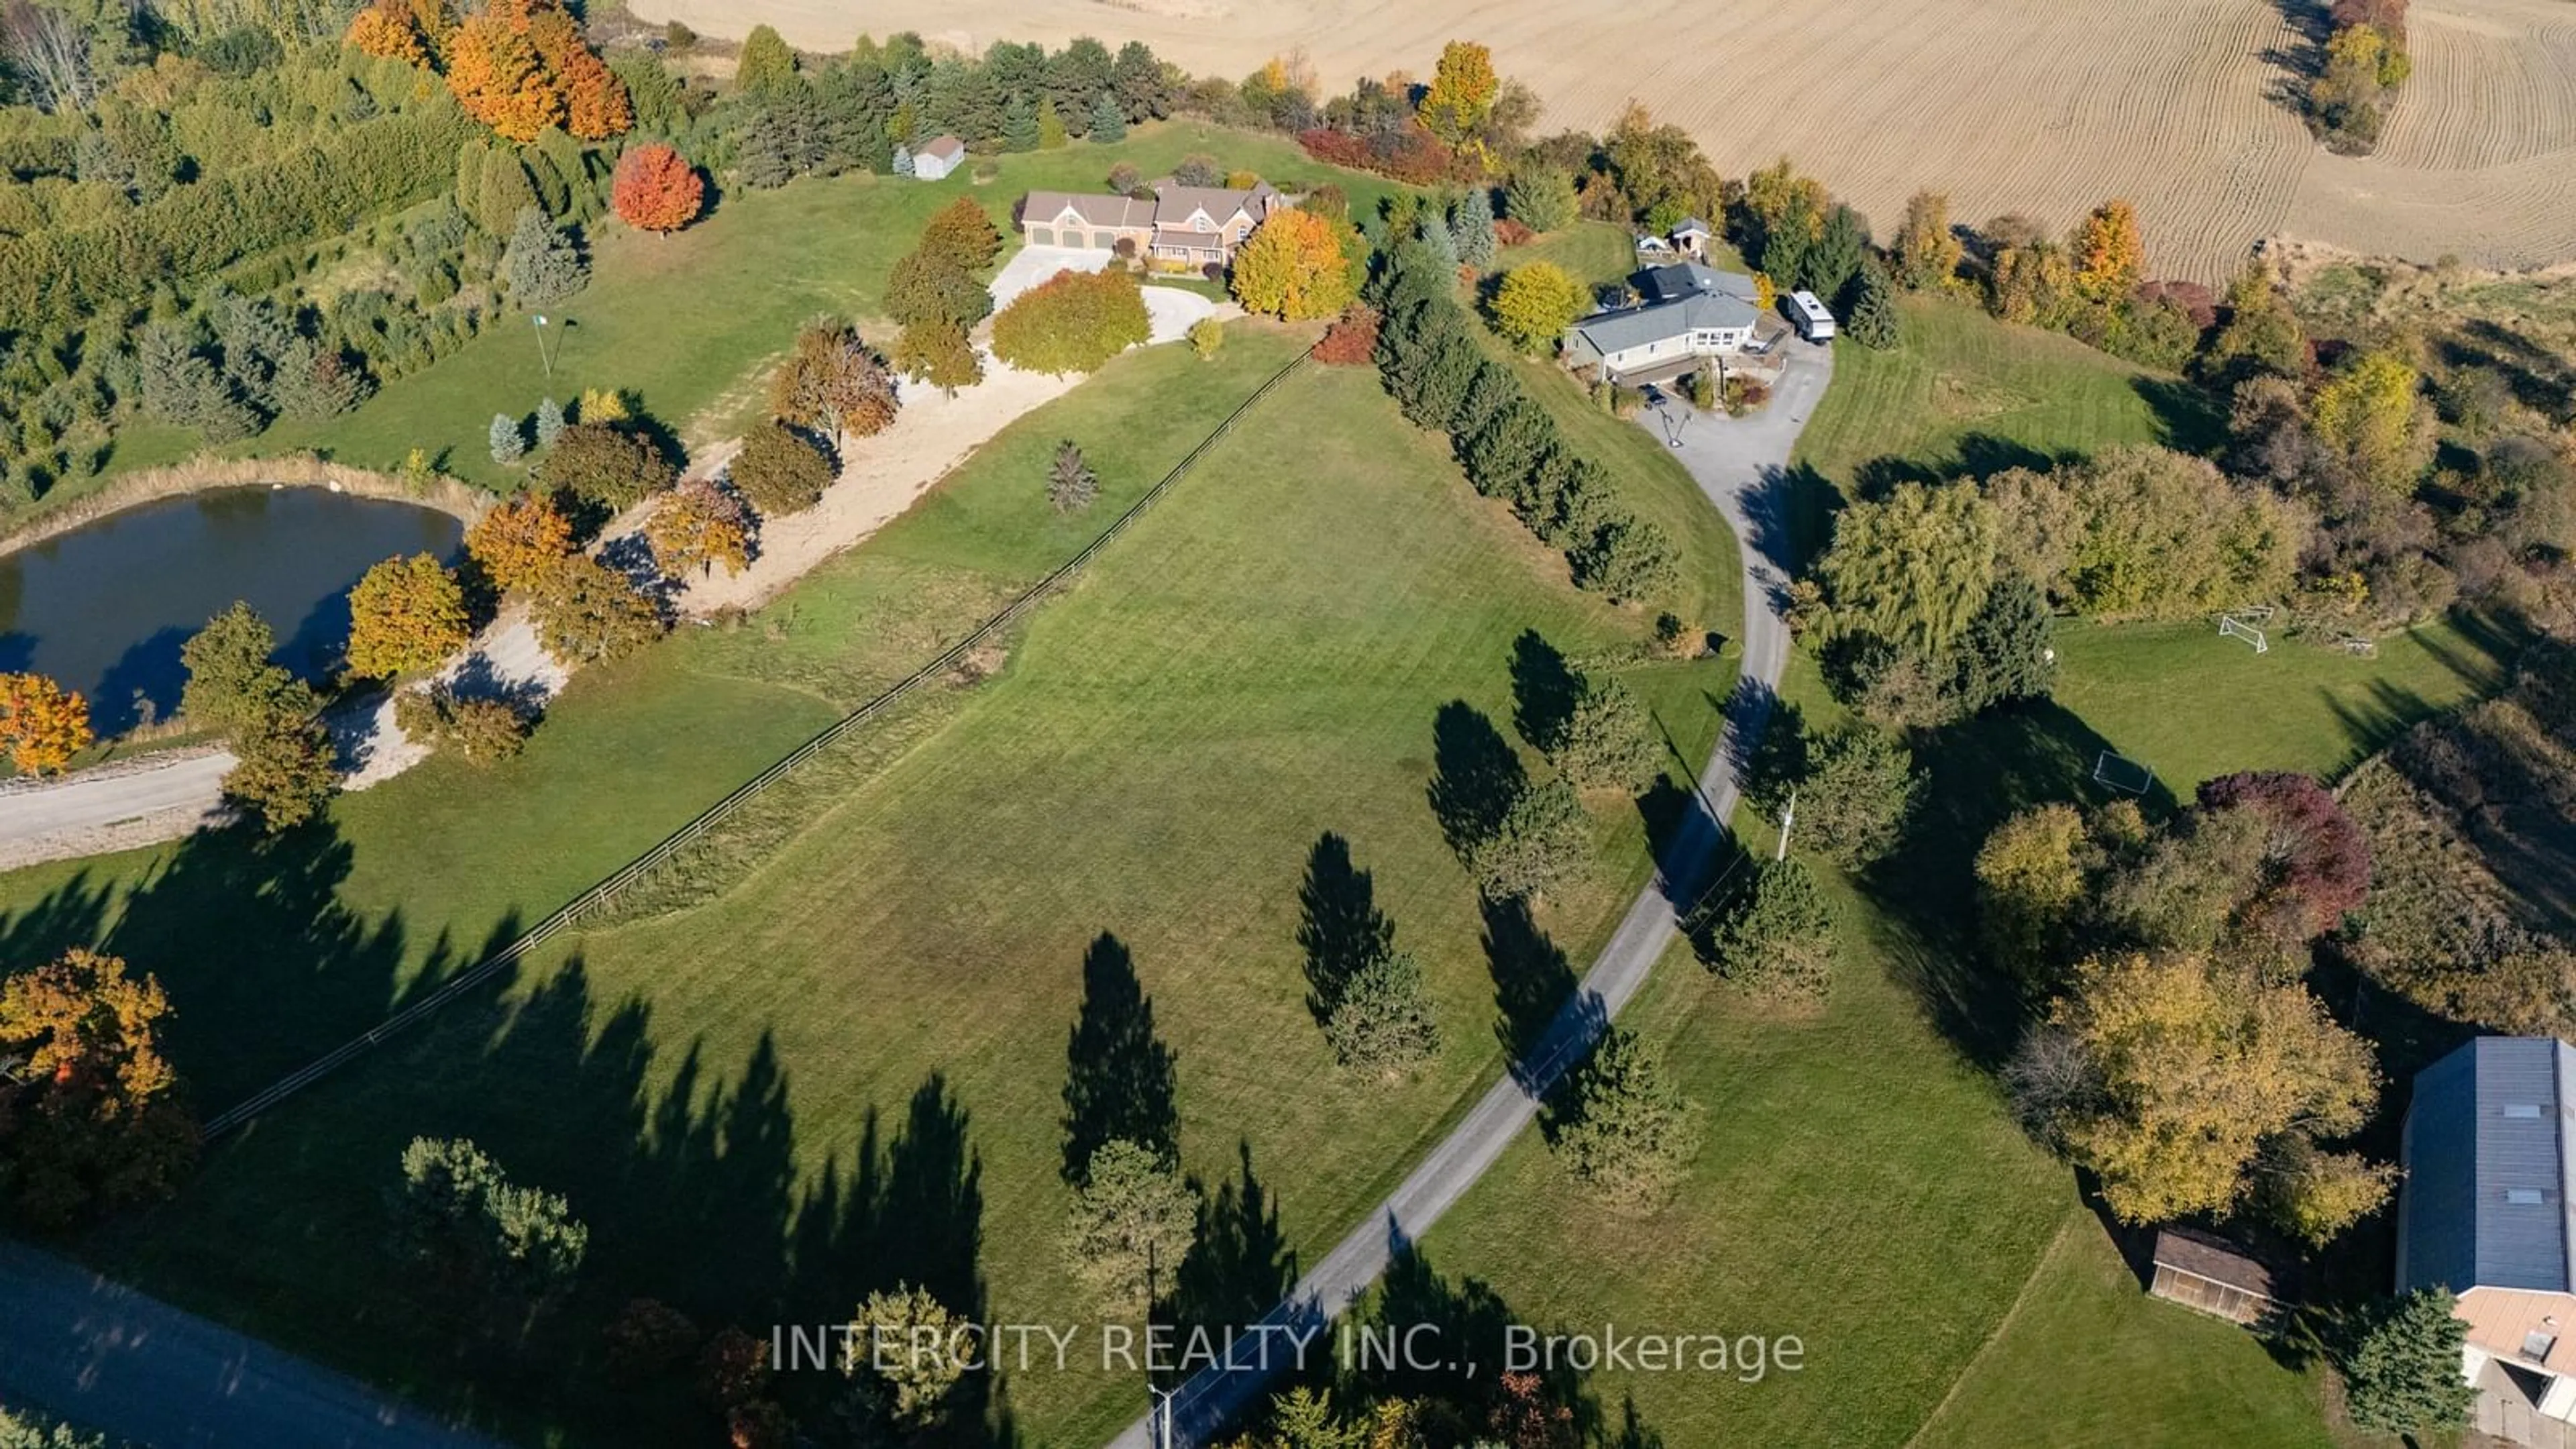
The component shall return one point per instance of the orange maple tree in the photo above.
(515, 543)
(657, 189)
(519, 67)
(42, 724)
(387, 30)
(493, 71)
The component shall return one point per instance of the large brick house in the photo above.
(1195, 225)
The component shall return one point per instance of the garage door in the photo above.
(1043, 236)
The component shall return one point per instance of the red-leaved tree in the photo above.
(2316, 860)
(657, 189)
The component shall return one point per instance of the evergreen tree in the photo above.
(2004, 653)
(1137, 79)
(1108, 127)
(902, 160)
(550, 421)
(1873, 321)
(1020, 127)
(767, 65)
(508, 443)
(2403, 1372)
(1622, 1127)
(1836, 258)
(1051, 132)
(1541, 198)
(1383, 1021)
(1536, 844)
(1471, 228)
(1776, 937)
(542, 265)
(1608, 740)
(1071, 485)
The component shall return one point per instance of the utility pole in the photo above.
(1788, 817)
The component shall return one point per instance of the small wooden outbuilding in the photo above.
(2199, 1270)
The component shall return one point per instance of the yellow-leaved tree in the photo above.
(42, 724)
(1462, 91)
(1535, 304)
(2110, 255)
(2371, 414)
(2208, 1087)
(405, 617)
(1292, 268)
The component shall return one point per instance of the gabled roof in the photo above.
(1174, 203)
(1691, 225)
(1682, 279)
(946, 148)
(1618, 331)
(2488, 1182)
(1044, 207)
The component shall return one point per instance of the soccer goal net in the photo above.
(2124, 775)
(2233, 627)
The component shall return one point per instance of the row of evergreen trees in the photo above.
(1508, 443)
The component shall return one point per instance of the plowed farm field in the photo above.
(2044, 109)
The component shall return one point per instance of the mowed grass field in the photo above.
(1861, 1184)
(840, 1062)
(686, 321)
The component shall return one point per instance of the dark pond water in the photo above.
(105, 607)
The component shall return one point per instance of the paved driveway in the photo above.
(1741, 464)
(1170, 310)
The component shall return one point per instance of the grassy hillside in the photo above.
(832, 1054)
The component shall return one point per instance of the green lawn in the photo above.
(687, 321)
(1861, 1184)
(2108, 1366)
(1968, 394)
(750, 1088)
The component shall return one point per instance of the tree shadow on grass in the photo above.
(2187, 417)
(1241, 1266)
(687, 1177)
(1459, 1333)
(1544, 690)
(1476, 774)
(1342, 929)
(1976, 774)
(1119, 1085)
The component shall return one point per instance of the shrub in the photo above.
(1073, 322)
(779, 470)
(1206, 335)
(1351, 340)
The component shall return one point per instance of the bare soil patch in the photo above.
(2045, 110)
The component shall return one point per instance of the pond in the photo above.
(105, 607)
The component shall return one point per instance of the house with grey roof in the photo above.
(2485, 1212)
(1689, 312)
(1192, 225)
